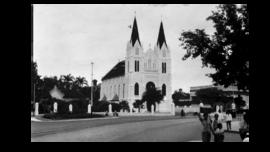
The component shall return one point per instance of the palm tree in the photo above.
(80, 81)
(68, 81)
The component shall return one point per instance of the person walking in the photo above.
(207, 129)
(244, 126)
(228, 118)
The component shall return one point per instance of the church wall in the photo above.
(110, 87)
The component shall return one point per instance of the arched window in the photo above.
(164, 90)
(163, 67)
(137, 64)
(136, 89)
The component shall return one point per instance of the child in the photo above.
(219, 133)
(228, 120)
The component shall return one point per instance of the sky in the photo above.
(68, 37)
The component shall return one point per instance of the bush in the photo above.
(116, 107)
(100, 106)
(124, 105)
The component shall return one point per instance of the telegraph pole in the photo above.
(92, 89)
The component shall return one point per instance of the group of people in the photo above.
(211, 127)
(215, 126)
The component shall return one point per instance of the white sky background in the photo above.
(67, 38)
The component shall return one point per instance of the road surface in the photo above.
(167, 130)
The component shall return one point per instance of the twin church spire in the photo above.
(135, 35)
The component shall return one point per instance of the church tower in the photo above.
(164, 62)
(133, 65)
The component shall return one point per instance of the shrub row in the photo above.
(71, 116)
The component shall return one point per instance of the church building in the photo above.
(130, 78)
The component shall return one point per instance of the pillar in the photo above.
(70, 108)
(172, 108)
(131, 108)
(55, 107)
(110, 108)
(36, 109)
(89, 108)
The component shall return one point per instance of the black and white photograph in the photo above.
(140, 72)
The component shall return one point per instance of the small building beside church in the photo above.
(130, 78)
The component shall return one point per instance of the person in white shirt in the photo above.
(220, 116)
(246, 139)
(228, 119)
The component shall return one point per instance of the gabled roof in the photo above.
(161, 36)
(117, 71)
(135, 33)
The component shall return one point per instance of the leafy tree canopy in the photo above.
(212, 96)
(227, 49)
(151, 97)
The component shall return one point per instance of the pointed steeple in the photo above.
(161, 36)
(135, 33)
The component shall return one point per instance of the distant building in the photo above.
(130, 78)
(231, 90)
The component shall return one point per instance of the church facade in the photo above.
(130, 78)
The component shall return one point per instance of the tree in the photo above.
(239, 102)
(138, 104)
(151, 97)
(212, 96)
(80, 81)
(35, 79)
(227, 49)
(124, 105)
(177, 95)
(67, 81)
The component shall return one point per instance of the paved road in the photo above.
(119, 130)
(160, 130)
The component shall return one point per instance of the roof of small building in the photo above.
(117, 71)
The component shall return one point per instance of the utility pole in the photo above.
(92, 89)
